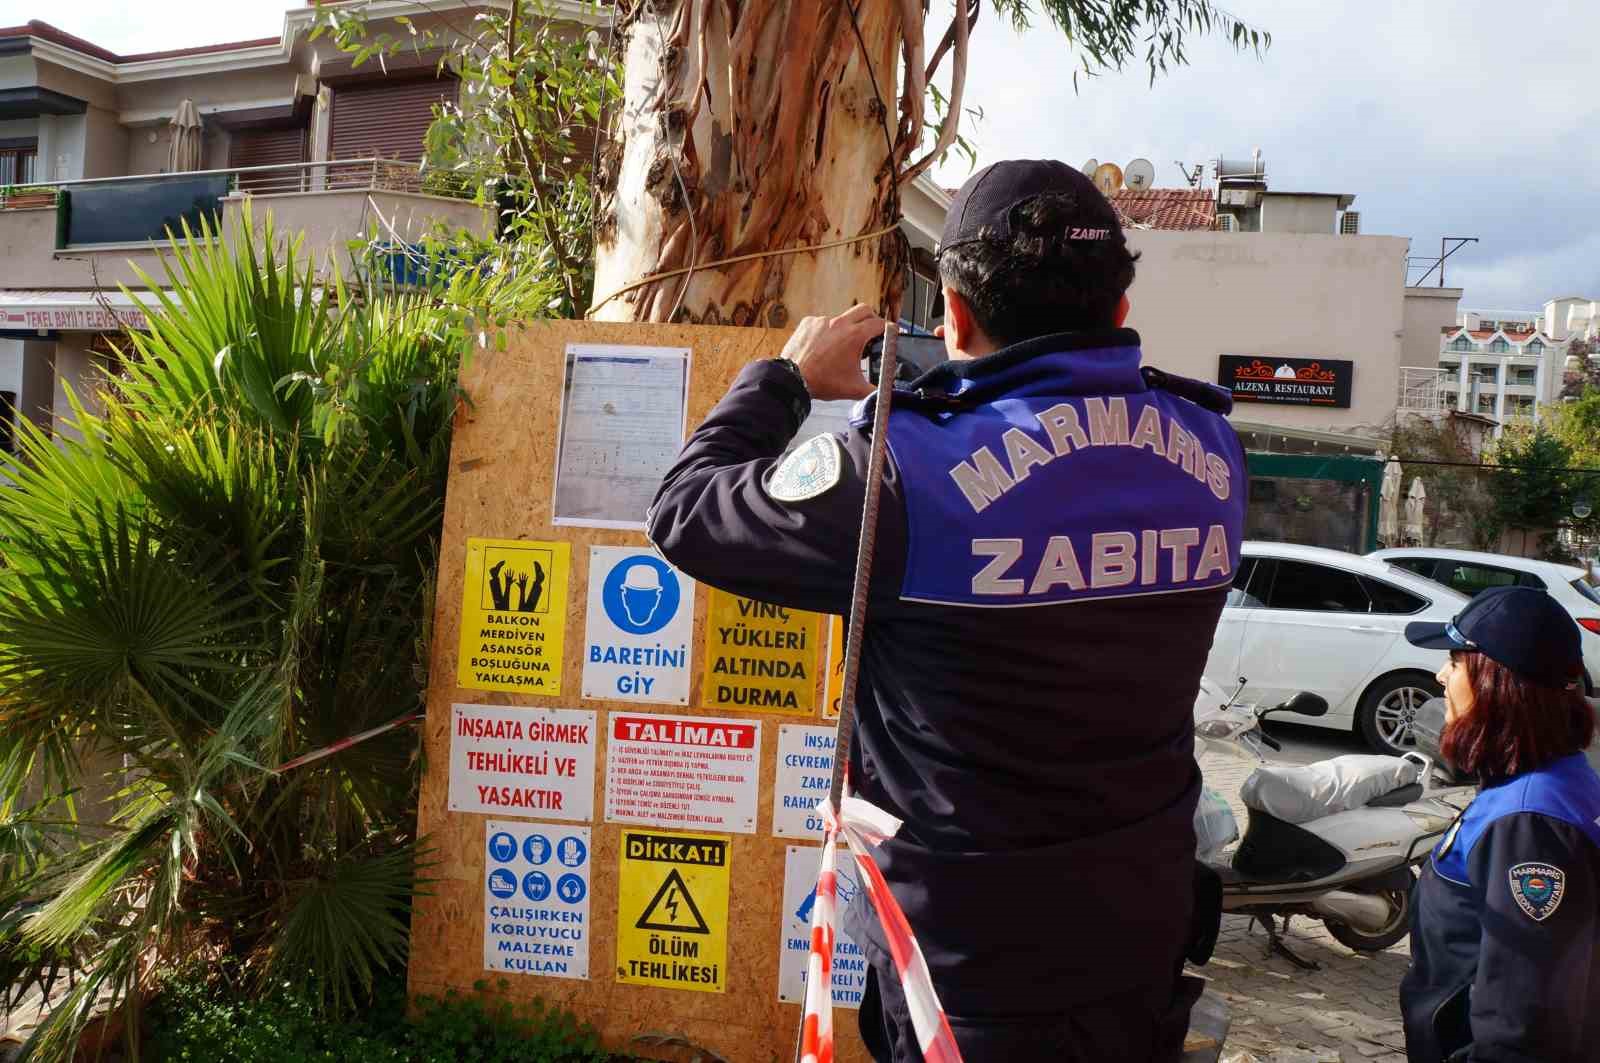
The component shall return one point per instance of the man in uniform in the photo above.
(1058, 531)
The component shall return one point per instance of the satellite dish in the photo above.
(1108, 177)
(1090, 167)
(1140, 175)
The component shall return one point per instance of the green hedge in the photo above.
(199, 1021)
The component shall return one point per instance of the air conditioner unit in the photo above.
(1350, 223)
(1227, 223)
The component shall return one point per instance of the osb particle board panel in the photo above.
(502, 473)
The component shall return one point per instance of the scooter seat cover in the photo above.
(1300, 793)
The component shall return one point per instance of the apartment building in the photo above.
(92, 177)
(1502, 364)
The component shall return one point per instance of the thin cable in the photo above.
(664, 275)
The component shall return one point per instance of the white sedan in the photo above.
(1470, 571)
(1305, 618)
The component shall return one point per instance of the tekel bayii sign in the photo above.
(1293, 381)
(639, 629)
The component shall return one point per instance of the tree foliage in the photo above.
(1459, 507)
(226, 567)
(1534, 486)
(534, 90)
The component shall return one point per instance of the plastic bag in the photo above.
(1215, 827)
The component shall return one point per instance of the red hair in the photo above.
(1514, 725)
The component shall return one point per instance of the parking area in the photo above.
(1347, 1011)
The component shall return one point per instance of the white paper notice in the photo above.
(536, 899)
(805, 771)
(849, 962)
(639, 629)
(522, 762)
(622, 423)
(693, 772)
(832, 416)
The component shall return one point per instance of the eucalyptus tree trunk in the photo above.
(749, 128)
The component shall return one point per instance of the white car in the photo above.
(1305, 618)
(1470, 571)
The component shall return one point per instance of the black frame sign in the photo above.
(1295, 381)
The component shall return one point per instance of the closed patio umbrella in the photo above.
(1389, 504)
(1416, 505)
(185, 156)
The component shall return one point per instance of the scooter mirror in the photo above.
(1305, 703)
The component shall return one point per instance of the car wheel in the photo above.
(1388, 711)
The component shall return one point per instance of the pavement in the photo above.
(1346, 1012)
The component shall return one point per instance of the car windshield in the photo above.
(1587, 589)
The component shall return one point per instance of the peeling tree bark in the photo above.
(753, 127)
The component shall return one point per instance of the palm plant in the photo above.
(226, 565)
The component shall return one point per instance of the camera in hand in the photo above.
(914, 356)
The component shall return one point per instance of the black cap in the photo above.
(989, 196)
(1522, 628)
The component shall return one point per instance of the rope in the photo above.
(669, 274)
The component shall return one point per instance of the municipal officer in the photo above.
(1058, 531)
(1505, 934)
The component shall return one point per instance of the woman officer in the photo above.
(1505, 938)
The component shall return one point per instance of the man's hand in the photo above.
(827, 351)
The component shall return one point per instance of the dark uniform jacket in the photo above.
(1505, 944)
(1056, 540)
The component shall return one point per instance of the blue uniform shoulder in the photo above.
(1567, 790)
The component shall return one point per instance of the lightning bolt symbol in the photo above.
(671, 904)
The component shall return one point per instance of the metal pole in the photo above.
(864, 550)
(845, 728)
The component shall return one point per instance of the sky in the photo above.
(1443, 117)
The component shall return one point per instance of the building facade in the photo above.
(1502, 364)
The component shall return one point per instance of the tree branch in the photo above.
(911, 104)
(949, 38)
(962, 26)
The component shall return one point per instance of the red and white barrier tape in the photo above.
(345, 743)
(863, 826)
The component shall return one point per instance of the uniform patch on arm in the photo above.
(808, 470)
(1538, 889)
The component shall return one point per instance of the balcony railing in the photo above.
(142, 207)
(1421, 390)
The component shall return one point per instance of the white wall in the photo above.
(61, 147)
(1200, 295)
(1281, 213)
(1428, 311)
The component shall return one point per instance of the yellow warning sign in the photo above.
(513, 616)
(759, 657)
(672, 911)
(835, 689)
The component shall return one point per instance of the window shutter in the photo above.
(268, 147)
(385, 119)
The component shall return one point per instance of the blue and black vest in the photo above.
(1567, 790)
(1065, 477)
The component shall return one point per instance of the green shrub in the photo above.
(200, 1021)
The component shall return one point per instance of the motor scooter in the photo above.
(1336, 840)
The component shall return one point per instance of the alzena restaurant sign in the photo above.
(1298, 381)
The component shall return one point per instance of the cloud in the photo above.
(1443, 117)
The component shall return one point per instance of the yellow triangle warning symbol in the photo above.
(672, 909)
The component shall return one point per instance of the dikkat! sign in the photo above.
(513, 616)
(672, 911)
(1294, 381)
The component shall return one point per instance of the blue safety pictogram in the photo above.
(571, 888)
(503, 847)
(536, 849)
(502, 883)
(536, 885)
(572, 852)
(640, 594)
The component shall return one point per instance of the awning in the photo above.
(70, 311)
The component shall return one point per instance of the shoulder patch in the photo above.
(1538, 889)
(807, 471)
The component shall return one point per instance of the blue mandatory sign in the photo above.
(640, 594)
(536, 848)
(502, 883)
(570, 888)
(536, 885)
(571, 852)
(503, 847)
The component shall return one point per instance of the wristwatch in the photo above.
(801, 404)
